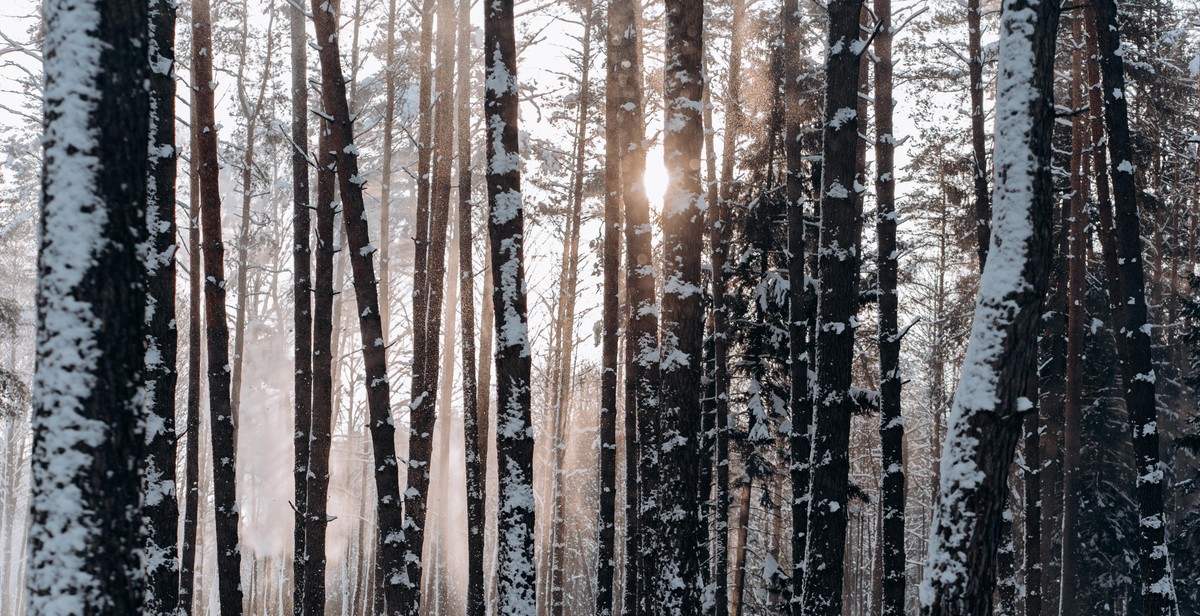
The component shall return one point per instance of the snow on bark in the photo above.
(514, 429)
(85, 518)
(995, 384)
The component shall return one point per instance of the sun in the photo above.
(655, 176)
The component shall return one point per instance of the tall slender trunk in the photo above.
(224, 445)
(996, 382)
(472, 446)
(422, 414)
(891, 423)
(837, 267)
(641, 346)
(191, 510)
(1032, 565)
(506, 223)
(681, 533)
(737, 590)
(979, 171)
(341, 142)
(610, 262)
(385, 174)
(1075, 227)
(1158, 590)
(160, 509)
(322, 407)
(91, 300)
(302, 294)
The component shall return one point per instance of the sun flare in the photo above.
(655, 177)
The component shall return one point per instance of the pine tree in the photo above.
(88, 440)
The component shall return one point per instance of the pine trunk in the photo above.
(341, 142)
(996, 383)
(837, 267)
(160, 509)
(222, 431)
(983, 201)
(1157, 588)
(506, 224)
(91, 299)
(191, 510)
(385, 175)
(302, 294)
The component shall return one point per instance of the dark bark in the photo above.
(506, 227)
(837, 267)
(385, 174)
(1006, 565)
(160, 509)
(1157, 588)
(891, 423)
(641, 374)
(341, 142)
(422, 411)
(88, 443)
(611, 323)
(474, 462)
(979, 170)
(187, 561)
(302, 295)
(223, 436)
(1032, 565)
(996, 384)
(681, 533)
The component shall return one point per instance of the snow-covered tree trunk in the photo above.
(88, 440)
(891, 423)
(350, 184)
(681, 532)
(191, 510)
(302, 294)
(474, 462)
(223, 436)
(837, 267)
(996, 382)
(506, 229)
(160, 509)
(1157, 588)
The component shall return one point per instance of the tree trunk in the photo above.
(837, 267)
(891, 423)
(224, 445)
(302, 294)
(681, 532)
(995, 386)
(187, 561)
(87, 439)
(641, 346)
(385, 176)
(160, 509)
(1075, 227)
(983, 201)
(341, 142)
(422, 415)
(1033, 513)
(1158, 589)
(506, 224)
(611, 323)
(472, 446)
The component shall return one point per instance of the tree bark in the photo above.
(891, 423)
(160, 509)
(611, 322)
(682, 535)
(514, 434)
(472, 447)
(837, 267)
(88, 442)
(302, 294)
(983, 201)
(1157, 588)
(222, 431)
(341, 142)
(385, 175)
(187, 560)
(995, 386)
